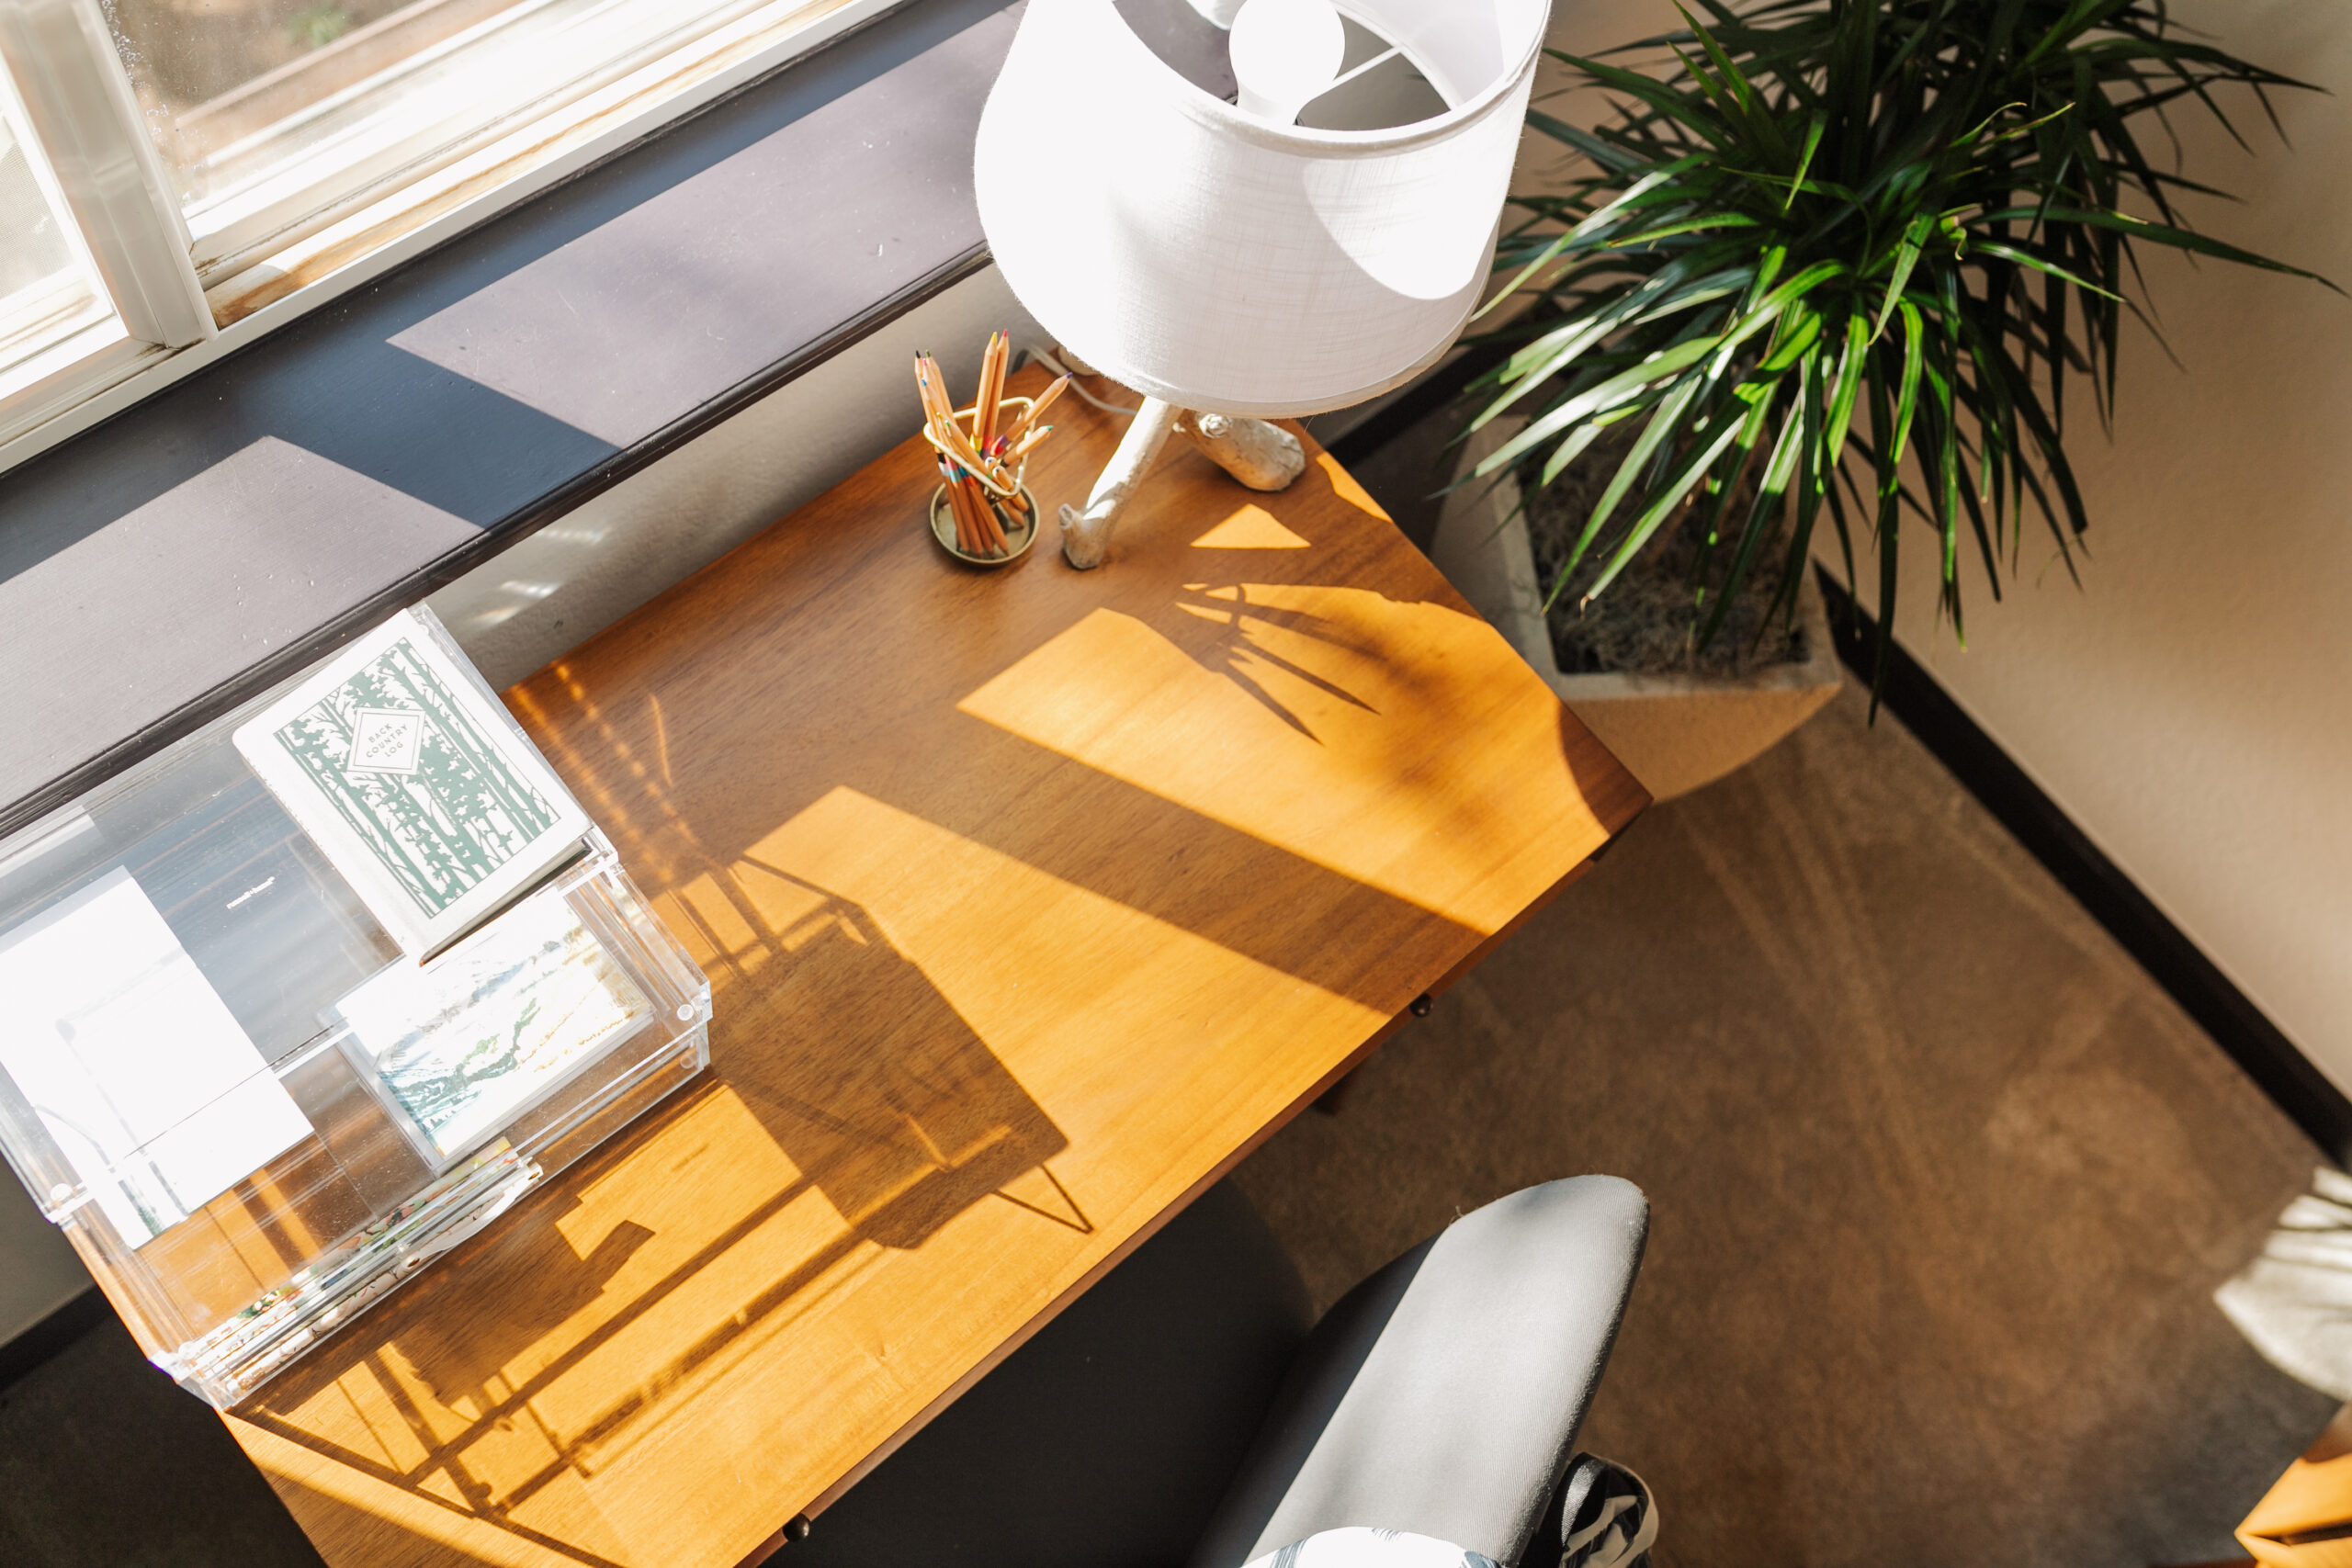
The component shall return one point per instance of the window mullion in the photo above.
(87, 120)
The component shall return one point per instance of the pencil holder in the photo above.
(1017, 519)
(1019, 531)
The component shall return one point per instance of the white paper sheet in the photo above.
(133, 1062)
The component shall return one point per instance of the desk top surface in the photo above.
(1031, 900)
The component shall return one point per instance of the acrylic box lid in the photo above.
(267, 994)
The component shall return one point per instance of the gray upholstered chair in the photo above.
(1179, 1412)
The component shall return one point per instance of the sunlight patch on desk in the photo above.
(316, 1492)
(642, 1294)
(938, 895)
(1250, 528)
(1325, 721)
(1344, 486)
(918, 1120)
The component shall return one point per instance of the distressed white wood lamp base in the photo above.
(1262, 455)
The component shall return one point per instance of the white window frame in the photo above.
(228, 232)
(169, 323)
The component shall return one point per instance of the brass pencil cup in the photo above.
(1020, 532)
(1019, 529)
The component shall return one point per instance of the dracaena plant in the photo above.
(1848, 255)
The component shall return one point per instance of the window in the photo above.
(275, 115)
(169, 168)
(50, 296)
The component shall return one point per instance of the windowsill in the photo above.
(159, 568)
(353, 242)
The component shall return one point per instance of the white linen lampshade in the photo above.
(1218, 261)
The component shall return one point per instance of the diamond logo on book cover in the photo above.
(386, 740)
(427, 791)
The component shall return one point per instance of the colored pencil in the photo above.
(958, 504)
(943, 419)
(992, 531)
(982, 466)
(944, 423)
(934, 397)
(1045, 401)
(985, 402)
(1003, 374)
(959, 509)
(985, 413)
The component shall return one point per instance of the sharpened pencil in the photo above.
(980, 453)
(959, 509)
(984, 402)
(997, 534)
(1045, 401)
(991, 535)
(967, 533)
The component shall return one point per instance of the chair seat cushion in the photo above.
(1356, 1545)
(1442, 1396)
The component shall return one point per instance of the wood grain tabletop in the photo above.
(1032, 900)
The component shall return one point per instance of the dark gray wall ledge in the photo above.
(160, 568)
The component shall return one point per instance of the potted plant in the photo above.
(1838, 255)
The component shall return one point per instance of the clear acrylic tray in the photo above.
(253, 1110)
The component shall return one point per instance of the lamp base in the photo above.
(1087, 533)
(1263, 457)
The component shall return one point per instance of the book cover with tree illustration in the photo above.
(402, 768)
(463, 1045)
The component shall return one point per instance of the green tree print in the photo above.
(443, 827)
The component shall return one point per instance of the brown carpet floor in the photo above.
(1942, 1183)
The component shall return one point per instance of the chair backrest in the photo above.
(1442, 1396)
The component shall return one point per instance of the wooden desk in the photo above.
(1032, 901)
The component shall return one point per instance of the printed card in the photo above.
(462, 1046)
(413, 781)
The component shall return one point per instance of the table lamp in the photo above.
(1234, 261)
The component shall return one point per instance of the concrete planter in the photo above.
(1674, 732)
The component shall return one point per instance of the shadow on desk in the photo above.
(1030, 901)
(902, 1121)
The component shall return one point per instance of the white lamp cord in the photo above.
(1058, 368)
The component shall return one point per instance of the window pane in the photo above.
(271, 111)
(32, 243)
(49, 291)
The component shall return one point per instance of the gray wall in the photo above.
(561, 585)
(2186, 706)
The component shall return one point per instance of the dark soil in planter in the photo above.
(1647, 622)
